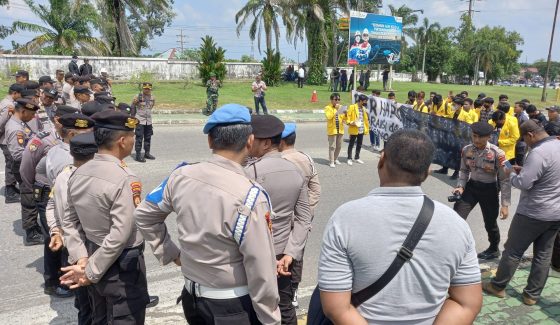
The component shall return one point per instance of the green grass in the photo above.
(288, 96)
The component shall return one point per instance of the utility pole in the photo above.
(470, 9)
(181, 40)
(543, 97)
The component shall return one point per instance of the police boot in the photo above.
(443, 170)
(154, 301)
(33, 236)
(455, 175)
(139, 157)
(148, 156)
(11, 194)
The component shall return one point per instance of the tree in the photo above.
(264, 14)
(554, 68)
(189, 55)
(69, 28)
(211, 60)
(424, 34)
(272, 68)
(151, 23)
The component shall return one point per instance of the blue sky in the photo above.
(532, 19)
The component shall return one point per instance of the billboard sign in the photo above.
(374, 39)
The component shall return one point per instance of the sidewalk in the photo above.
(190, 117)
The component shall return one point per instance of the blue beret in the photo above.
(289, 129)
(227, 115)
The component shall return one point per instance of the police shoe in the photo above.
(58, 291)
(11, 194)
(139, 158)
(295, 302)
(455, 175)
(489, 288)
(528, 300)
(148, 156)
(489, 254)
(33, 236)
(442, 170)
(154, 301)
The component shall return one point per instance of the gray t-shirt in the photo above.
(362, 239)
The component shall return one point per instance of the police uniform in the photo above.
(481, 170)
(226, 249)
(291, 217)
(46, 113)
(212, 88)
(12, 194)
(102, 196)
(307, 167)
(141, 108)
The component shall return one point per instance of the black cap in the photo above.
(124, 107)
(108, 106)
(482, 128)
(109, 119)
(28, 93)
(81, 90)
(30, 84)
(481, 95)
(91, 108)
(21, 73)
(76, 121)
(17, 88)
(266, 126)
(44, 79)
(27, 104)
(51, 92)
(83, 144)
(95, 81)
(65, 109)
(488, 100)
(74, 56)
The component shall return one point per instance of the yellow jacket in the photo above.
(353, 115)
(330, 113)
(421, 107)
(508, 136)
(468, 117)
(445, 110)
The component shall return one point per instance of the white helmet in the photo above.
(103, 70)
(365, 32)
(357, 33)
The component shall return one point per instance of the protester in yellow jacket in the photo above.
(467, 114)
(420, 105)
(358, 125)
(504, 99)
(508, 128)
(335, 128)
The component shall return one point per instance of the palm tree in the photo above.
(69, 28)
(424, 35)
(264, 14)
(409, 19)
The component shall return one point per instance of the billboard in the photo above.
(374, 39)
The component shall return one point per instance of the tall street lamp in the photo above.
(543, 97)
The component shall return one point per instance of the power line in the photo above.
(181, 40)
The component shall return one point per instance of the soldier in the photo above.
(142, 106)
(82, 149)
(288, 192)
(102, 196)
(212, 87)
(6, 110)
(226, 251)
(307, 167)
(482, 167)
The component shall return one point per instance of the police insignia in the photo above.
(123, 164)
(131, 122)
(32, 147)
(20, 138)
(136, 192)
(268, 221)
(81, 123)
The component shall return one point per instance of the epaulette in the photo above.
(310, 161)
(43, 134)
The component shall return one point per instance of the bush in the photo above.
(143, 76)
(272, 68)
(211, 60)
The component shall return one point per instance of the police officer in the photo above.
(307, 167)
(102, 196)
(482, 167)
(82, 149)
(212, 87)
(288, 192)
(6, 110)
(82, 94)
(47, 108)
(226, 252)
(142, 106)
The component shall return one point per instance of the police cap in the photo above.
(81, 90)
(289, 129)
(266, 126)
(30, 84)
(65, 109)
(95, 81)
(16, 88)
(146, 85)
(83, 144)
(124, 107)
(27, 93)
(110, 119)
(482, 128)
(76, 121)
(44, 79)
(51, 92)
(554, 108)
(91, 108)
(27, 104)
(227, 115)
(21, 73)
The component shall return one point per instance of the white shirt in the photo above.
(301, 73)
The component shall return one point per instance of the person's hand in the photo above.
(517, 169)
(458, 190)
(504, 212)
(56, 242)
(74, 276)
(283, 265)
(177, 261)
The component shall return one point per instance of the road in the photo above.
(23, 301)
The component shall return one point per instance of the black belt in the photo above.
(482, 185)
(92, 247)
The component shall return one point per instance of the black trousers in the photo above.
(206, 311)
(121, 296)
(300, 82)
(143, 133)
(82, 304)
(10, 179)
(343, 84)
(523, 232)
(286, 292)
(556, 252)
(29, 211)
(260, 101)
(358, 139)
(485, 194)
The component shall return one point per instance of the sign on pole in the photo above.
(374, 39)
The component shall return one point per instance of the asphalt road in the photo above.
(23, 301)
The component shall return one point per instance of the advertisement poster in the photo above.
(374, 39)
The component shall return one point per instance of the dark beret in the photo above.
(65, 109)
(266, 126)
(76, 121)
(114, 120)
(91, 108)
(27, 104)
(482, 128)
(83, 144)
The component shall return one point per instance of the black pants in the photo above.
(206, 311)
(520, 151)
(260, 101)
(358, 139)
(82, 304)
(300, 82)
(556, 252)
(121, 296)
(343, 84)
(523, 232)
(385, 84)
(29, 211)
(487, 195)
(143, 133)
(286, 292)
(10, 179)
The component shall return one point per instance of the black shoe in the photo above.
(148, 156)
(455, 175)
(12, 194)
(139, 158)
(58, 291)
(33, 237)
(489, 254)
(443, 170)
(154, 300)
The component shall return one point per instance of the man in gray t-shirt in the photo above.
(363, 237)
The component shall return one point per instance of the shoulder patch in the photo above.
(156, 195)
(239, 228)
(20, 138)
(136, 188)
